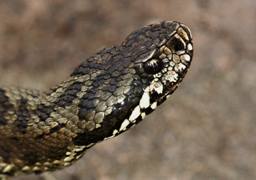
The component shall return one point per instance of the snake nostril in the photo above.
(176, 44)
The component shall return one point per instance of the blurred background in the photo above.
(207, 130)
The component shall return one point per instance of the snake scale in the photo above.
(104, 96)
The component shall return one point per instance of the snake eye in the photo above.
(153, 66)
(176, 44)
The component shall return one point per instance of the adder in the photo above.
(104, 96)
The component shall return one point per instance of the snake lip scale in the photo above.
(104, 96)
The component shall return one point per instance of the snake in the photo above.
(104, 96)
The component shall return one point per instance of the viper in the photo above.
(103, 97)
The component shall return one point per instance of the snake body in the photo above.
(107, 94)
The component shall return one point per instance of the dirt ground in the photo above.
(207, 130)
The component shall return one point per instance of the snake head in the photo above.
(132, 79)
(162, 54)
